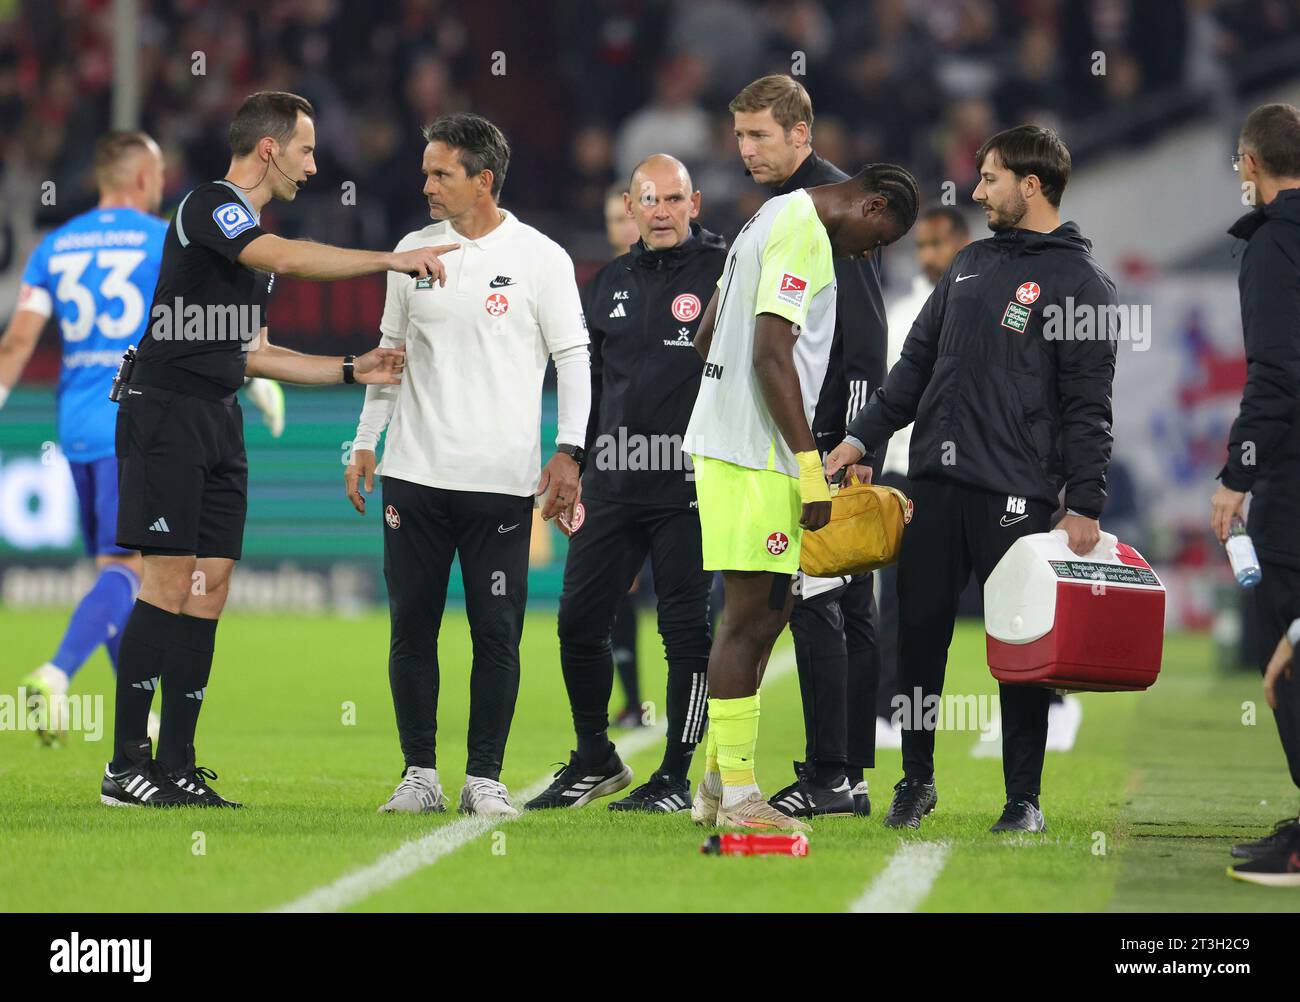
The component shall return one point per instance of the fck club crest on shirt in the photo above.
(1016, 316)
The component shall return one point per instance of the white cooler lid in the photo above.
(1020, 594)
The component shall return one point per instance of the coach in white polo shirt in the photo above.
(461, 460)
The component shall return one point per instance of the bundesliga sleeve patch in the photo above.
(233, 219)
(792, 290)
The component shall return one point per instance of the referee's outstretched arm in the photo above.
(323, 263)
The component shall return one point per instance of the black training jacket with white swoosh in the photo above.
(1003, 401)
(642, 310)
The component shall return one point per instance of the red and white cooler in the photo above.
(1053, 618)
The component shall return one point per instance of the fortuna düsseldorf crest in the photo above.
(686, 307)
(1028, 293)
(497, 304)
(391, 517)
(777, 543)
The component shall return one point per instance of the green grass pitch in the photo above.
(1140, 814)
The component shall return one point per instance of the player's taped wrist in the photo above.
(812, 482)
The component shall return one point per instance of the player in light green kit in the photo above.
(766, 337)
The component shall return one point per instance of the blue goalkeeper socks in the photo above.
(99, 618)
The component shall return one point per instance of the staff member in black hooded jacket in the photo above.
(1008, 408)
(642, 311)
(834, 621)
(1264, 445)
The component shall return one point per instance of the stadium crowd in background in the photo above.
(921, 83)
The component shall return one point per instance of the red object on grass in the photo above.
(747, 844)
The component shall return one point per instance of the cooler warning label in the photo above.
(1086, 570)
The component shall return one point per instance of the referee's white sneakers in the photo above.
(487, 798)
(419, 792)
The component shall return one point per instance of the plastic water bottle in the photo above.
(756, 845)
(1241, 555)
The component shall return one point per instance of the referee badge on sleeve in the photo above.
(233, 219)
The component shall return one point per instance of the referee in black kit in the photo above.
(182, 470)
(834, 619)
(643, 310)
(1008, 411)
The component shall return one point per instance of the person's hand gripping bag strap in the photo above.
(865, 531)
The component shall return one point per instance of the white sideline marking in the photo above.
(906, 880)
(416, 854)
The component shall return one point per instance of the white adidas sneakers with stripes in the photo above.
(419, 792)
(487, 798)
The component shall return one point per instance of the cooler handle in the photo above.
(1103, 552)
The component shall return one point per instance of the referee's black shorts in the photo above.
(182, 474)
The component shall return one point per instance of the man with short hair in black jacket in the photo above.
(1264, 444)
(638, 490)
(1007, 373)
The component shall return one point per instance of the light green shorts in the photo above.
(749, 519)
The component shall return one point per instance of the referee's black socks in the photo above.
(149, 633)
(185, 679)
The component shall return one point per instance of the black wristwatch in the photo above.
(576, 452)
(349, 375)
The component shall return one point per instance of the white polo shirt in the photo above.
(467, 414)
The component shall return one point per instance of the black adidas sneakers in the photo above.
(142, 783)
